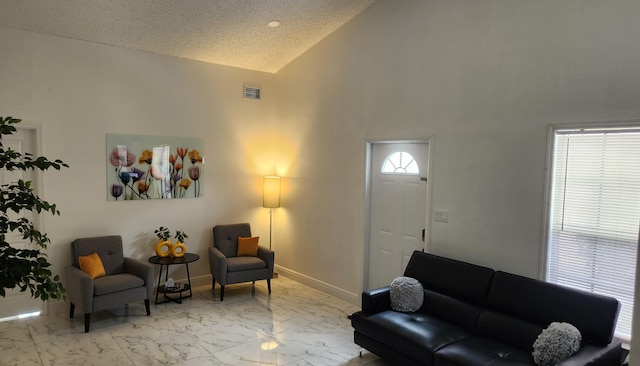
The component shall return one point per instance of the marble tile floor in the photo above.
(296, 325)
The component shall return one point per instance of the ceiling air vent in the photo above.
(251, 92)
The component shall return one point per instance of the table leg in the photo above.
(166, 277)
(189, 279)
(158, 288)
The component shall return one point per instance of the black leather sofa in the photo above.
(473, 315)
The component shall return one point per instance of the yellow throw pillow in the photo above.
(92, 265)
(248, 247)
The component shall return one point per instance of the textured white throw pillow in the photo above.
(407, 294)
(555, 343)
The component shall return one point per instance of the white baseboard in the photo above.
(338, 292)
(55, 307)
(198, 280)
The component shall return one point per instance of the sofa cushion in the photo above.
(408, 333)
(116, 283)
(406, 294)
(236, 264)
(479, 351)
(513, 331)
(465, 281)
(542, 303)
(459, 288)
(450, 309)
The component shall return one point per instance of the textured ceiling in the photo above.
(226, 32)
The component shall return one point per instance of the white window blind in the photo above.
(595, 215)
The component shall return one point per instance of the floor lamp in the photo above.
(271, 198)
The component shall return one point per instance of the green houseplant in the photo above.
(179, 249)
(163, 233)
(24, 268)
(181, 235)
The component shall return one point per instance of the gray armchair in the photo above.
(126, 279)
(227, 268)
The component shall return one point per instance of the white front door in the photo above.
(16, 302)
(398, 208)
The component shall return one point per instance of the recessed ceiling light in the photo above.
(274, 23)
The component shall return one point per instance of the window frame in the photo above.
(552, 129)
(413, 162)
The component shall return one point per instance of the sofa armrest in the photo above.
(79, 288)
(218, 265)
(141, 269)
(268, 256)
(376, 300)
(596, 356)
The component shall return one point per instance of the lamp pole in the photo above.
(270, 224)
(271, 199)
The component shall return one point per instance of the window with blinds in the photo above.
(594, 214)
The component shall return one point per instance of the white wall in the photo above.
(78, 92)
(485, 78)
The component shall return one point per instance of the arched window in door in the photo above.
(400, 162)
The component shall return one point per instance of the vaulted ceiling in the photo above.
(227, 32)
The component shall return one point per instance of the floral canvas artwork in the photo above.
(141, 167)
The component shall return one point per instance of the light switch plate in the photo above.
(441, 215)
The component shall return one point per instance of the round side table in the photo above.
(164, 290)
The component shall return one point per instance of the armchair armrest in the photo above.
(79, 288)
(268, 256)
(376, 300)
(141, 269)
(218, 265)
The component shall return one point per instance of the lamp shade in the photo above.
(271, 193)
